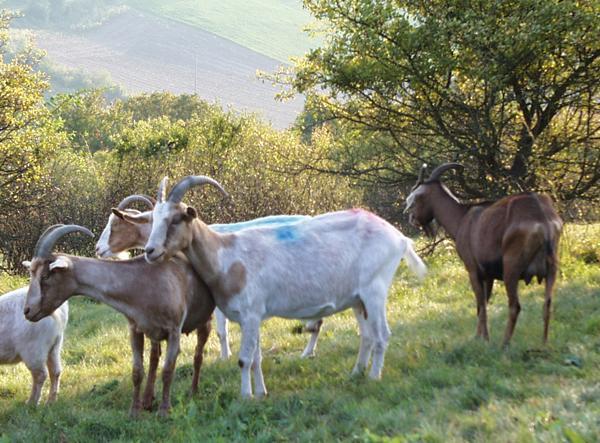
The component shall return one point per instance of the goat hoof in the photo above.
(134, 413)
(358, 372)
(163, 412)
(261, 395)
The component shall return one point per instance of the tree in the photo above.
(27, 134)
(29, 138)
(509, 88)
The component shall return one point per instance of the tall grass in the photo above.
(439, 382)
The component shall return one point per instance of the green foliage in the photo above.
(582, 243)
(162, 104)
(439, 384)
(115, 149)
(88, 119)
(508, 88)
(28, 135)
(66, 80)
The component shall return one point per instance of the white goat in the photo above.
(307, 270)
(121, 234)
(38, 345)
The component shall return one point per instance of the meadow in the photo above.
(439, 383)
(272, 28)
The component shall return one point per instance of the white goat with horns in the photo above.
(308, 270)
(129, 228)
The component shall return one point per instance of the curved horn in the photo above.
(136, 197)
(162, 189)
(45, 233)
(47, 242)
(437, 172)
(186, 183)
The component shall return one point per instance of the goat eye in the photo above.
(45, 276)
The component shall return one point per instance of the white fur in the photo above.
(38, 345)
(102, 247)
(410, 200)
(322, 266)
(59, 263)
(223, 334)
(103, 250)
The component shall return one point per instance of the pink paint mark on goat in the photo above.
(374, 222)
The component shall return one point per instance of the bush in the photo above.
(255, 163)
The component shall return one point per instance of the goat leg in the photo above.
(151, 381)
(169, 370)
(202, 335)
(54, 369)
(511, 282)
(550, 280)
(480, 287)
(137, 373)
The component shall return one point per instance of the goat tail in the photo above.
(414, 262)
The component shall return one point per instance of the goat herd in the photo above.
(280, 266)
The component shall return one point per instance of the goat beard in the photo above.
(429, 230)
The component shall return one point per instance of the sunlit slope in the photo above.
(270, 27)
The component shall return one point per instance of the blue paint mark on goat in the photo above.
(272, 221)
(286, 233)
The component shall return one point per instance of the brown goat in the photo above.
(512, 239)
(160, 301)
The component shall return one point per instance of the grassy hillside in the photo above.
(270, 27)
(439, 383)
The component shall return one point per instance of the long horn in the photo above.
(186, 183)
(136, 198)
(437, 172)
(44, 248)
(48, 230)
(162, 190)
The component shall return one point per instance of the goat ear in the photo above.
(26, 263)
(138, 219)
(60, 264)
(117, 212)
(191, 213)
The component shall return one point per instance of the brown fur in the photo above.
(123, 234)
(512, 239)
(160, 301)
(231, 283)
(184, 228)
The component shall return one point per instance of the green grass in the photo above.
(270, 27)
(439, 383)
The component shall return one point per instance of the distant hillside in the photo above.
(271, 27)
(144, 53)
